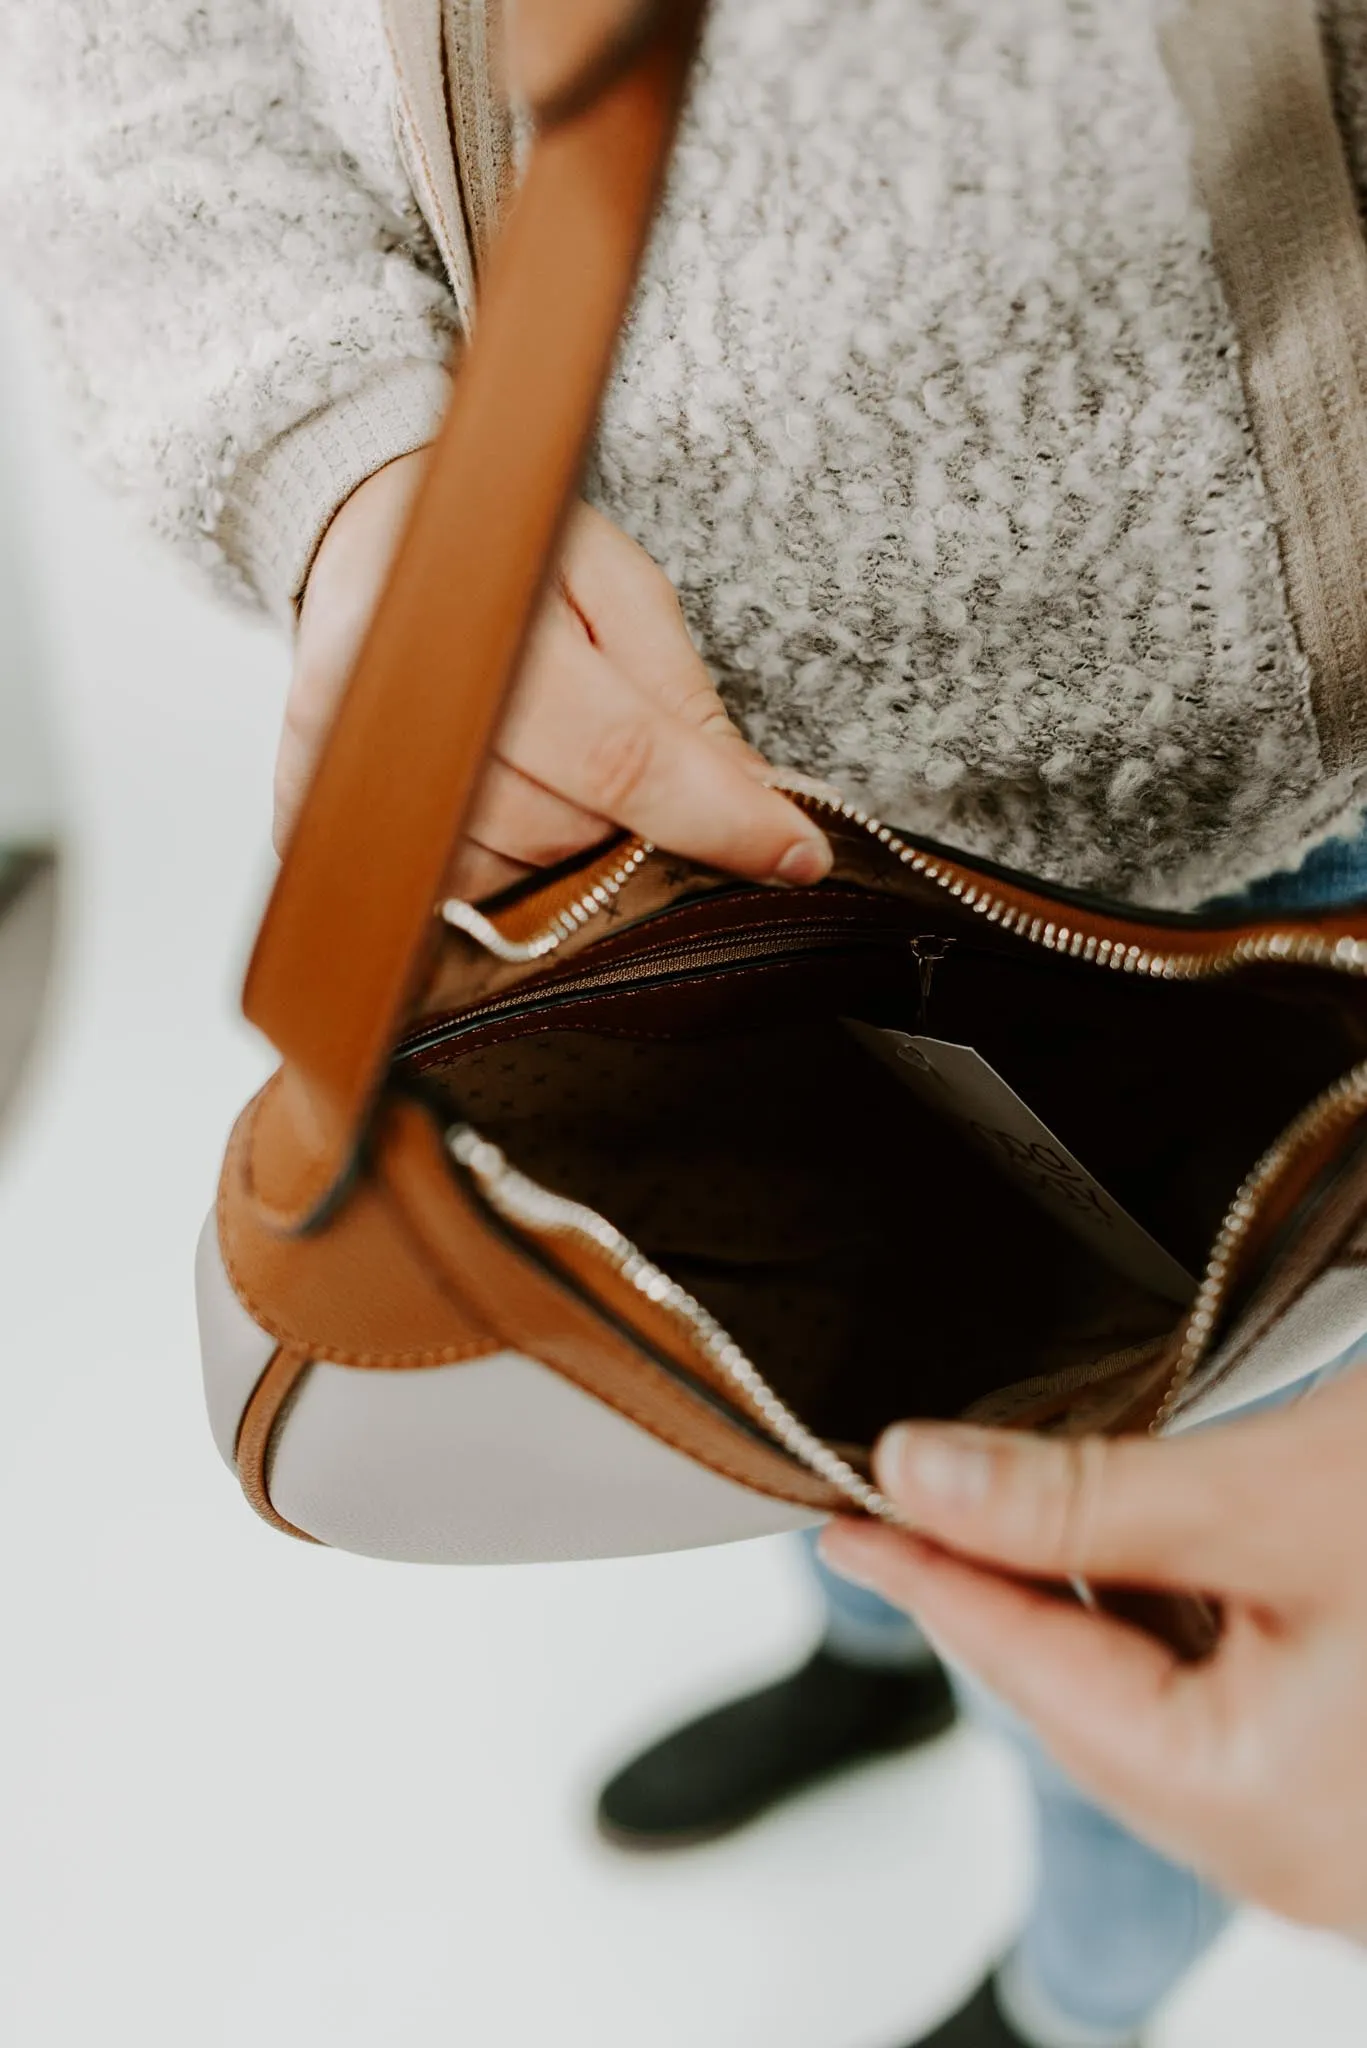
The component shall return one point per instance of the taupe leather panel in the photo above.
(235, 1350)
(1318, 1328)
(495, 1461)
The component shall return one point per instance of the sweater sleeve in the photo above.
(245, 330)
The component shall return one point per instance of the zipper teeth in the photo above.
(813, 940)
(1298, 948)
(1348, 956)
(1342, 1103)
(523, 952)
(525, 1203)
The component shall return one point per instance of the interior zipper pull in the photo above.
(927, 951)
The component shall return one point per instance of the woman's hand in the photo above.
(614, 721)
(1251, 1767)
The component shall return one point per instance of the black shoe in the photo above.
(979, 2024)
(718, 1772)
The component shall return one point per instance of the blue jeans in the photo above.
(1113, 1925)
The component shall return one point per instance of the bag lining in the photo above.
(854, 1243)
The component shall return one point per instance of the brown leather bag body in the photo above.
(584, 1223)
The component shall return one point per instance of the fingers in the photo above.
(1138, 1731)
(631, 611)
(1193, 1513)
(528, 823)
(578, 726)
(1029, 1647)
(614, 721)
(477, 873)
(517, 826)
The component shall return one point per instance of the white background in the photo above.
(254, 1795)
(28, 783)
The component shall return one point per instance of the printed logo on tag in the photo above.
(958, 1082)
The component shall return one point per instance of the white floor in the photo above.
(257, 1796)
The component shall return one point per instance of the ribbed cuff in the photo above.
(281, 501)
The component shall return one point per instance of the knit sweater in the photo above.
(930, 403)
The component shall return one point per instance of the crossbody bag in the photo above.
(623, 1212)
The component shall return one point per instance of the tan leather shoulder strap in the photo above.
(348, 925)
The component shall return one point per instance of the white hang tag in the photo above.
(960, 1084)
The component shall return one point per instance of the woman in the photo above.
(930, 413)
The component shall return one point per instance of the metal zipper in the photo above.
(1298, 948)
(1345, 955)
(1343, 1102)
(527, 1205)
(524, 952)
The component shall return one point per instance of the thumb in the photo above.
(1183, 1514)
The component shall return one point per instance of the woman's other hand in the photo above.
(614, 720)
(1252, 1767)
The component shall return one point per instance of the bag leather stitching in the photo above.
(414, 1358)
(254, 1477)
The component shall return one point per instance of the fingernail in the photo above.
(912, 1462)
(807, 860)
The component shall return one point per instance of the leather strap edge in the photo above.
(262, 1420)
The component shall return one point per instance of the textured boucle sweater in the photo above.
(931, 403)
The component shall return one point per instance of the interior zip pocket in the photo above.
(662, 965)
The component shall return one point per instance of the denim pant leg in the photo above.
(858, 1626)
(1113, 1926)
